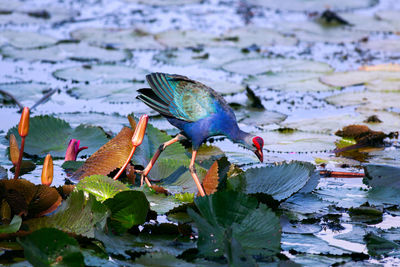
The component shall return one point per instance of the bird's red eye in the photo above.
(258, 142)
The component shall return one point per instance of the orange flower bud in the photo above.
(47, 171)
(14, 150)
(140, 130)
(23, 127)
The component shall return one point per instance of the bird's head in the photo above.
(255, 144)
(258, 144)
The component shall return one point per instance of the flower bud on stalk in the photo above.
(23, 129)
(47, 171)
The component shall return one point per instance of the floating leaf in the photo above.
(263, 65)
(378, 246)
(103, 73)
(110, 92)
(185, 38)
(78, 215)
(128, 208)
(63, 51)
(102, 187)
(371, 99)
(313, 5)
(154, 259)
(24, 91)
(24, 39)
(279, 181)
(227, 215)
(29, 199)
(260, 118)
(386, 46)
(50, 135)
(164, 2)
(383, 195)
(343, 79)
(13, 227)
(382, 175)
(50, 247)
(110, 156)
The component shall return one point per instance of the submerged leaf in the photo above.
(13, 227)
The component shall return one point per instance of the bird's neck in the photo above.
(239, 136)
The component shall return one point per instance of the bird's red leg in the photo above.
(192, 169)
(160, 149)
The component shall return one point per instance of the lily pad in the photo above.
(389, 85)
(344, 197)
(26, 39)
(379, 246)
(289, 81)
(298, 141)
(310, 31)
(185, 38)
(383, 195)
(24, 91)
(382, 175)
(102, 187)
(118, 38)
(386, 45)
(221, 86)
(103, 73)
(164, 2)
(64, 250)
(279, 181)
(263, 65)
(305, 204)
(391, 16)
(231, 215)
(344, 79)
(211, 57)
(78, 215)
(128, 208)
(378, 100)
(313, 5)
(50, 135)
(63, 51)
(154, 259)
(110, 92)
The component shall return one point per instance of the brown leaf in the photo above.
(28, 199)
(210, 181)
(132, 122)
(160, 189)
(109, 157)
(65, 190)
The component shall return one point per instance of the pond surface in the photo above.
(313, 76)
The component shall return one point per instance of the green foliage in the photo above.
(185, 197)
(128, 208)
(13, 227)
(78, 214)
(228, 215)
(278, 181)
(48, 134)
(378, 246)
(51, 247)
(102, 187)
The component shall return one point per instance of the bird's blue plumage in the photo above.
(191, 106)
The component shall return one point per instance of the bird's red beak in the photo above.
(259, 155)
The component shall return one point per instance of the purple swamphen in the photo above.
(198, 111)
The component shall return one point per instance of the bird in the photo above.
(198, 111)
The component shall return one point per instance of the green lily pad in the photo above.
(382, 175)
(379, 246)
(78, 215)
(305, 204)
(228, 215)
(154, 259)
(128, 208)
(26, 39)
(161, 203)
(310, 31)
(111, 92)
(389, 85)
(377, 100)
(50, 135)
(49, 247)
(263, 65)
(313, 5)
(368, 23)
(280, 181)
(12, 227)
(387, 156)
(118, 38)
(221, 86)
(391, 16)
(344, 197)
(103, 73)
(102, 187)
(383, 195)
(63, 51)
(298, 141)
(24, 91)
(211, 57)
(344, 79)
(387, 45)
(185, 38)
